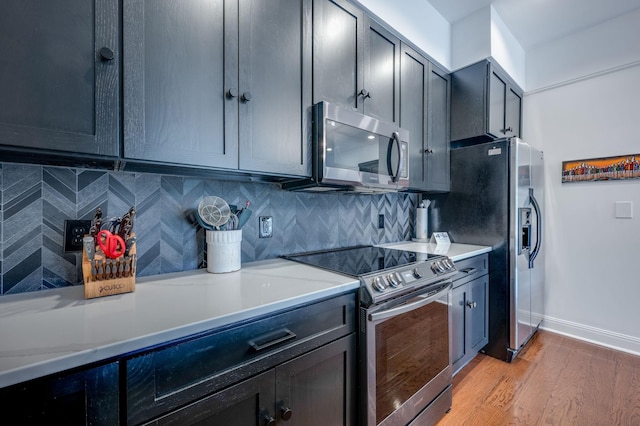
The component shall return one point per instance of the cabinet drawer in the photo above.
(471, 268)
(180, 372)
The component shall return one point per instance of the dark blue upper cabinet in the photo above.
(486, 103)
(424, 112)
(179, 57)
(222, 84)
(60, 76)
(356, 61)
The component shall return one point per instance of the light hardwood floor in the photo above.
(554, 381)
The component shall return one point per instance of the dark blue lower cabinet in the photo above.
(314, 389)
(295, 366)
(86, 397)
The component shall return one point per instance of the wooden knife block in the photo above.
(105, 286)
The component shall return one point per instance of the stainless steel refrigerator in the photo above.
(496, 200)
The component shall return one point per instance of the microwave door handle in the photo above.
(536, 249)
(395, 137)
(408, 307)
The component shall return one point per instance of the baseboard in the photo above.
(598, 336)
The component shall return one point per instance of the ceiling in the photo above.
(538, 21)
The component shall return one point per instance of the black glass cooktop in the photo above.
(360, 260)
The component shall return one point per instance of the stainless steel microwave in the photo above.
(354, 152)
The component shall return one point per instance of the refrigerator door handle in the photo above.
(536, 249)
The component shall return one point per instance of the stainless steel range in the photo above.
(405, 313)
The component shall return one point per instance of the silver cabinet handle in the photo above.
(272, 339)
(408, 307)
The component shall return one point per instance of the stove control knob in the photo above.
(439, 266)
(449, 263)
(379, 284)
(416, 273)
(394, 279)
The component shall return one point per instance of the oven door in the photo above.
(407, 358)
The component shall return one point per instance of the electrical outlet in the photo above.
(74, 230)
(380, 221)
(265, 225)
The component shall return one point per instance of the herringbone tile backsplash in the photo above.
(35, 201)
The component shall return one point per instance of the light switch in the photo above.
(624, 209)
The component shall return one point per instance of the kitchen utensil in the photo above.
(96, 223)
(112, 245)
(243, 215)
(204, 225)
(213, 211)
(89, 244)
(232, 224)
(126, 224)
(129, 243)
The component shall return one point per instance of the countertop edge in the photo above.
(455, 251)
(112, 351)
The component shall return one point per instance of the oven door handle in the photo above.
(409, 306)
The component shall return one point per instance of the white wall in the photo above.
(471, 39)
(483, 34)
(603, 47)
(418, 22)
(592, 259)
(506, 50)
(582, 101)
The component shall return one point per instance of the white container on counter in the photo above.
(224, 251)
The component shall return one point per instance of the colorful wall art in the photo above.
(598, 169)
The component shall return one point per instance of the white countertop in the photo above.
(454, 251)
(50, 331)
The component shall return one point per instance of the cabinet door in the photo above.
(163, 379)
(275, 86)
(318, 388)
(58, 92)
(413, 113)
(338, 53)
(458, 326)
(513, 113)
(382, 74)
(180, 63)
(478, 303)
(497, 104)
(247, 403)
(82, 398)
(439, 100)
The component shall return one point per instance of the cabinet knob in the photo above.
(269, 421)
(246, 96)
(507, 130)
(285, 413)
(365, 94)
(428, 151)
(232, 93)
(106, 54)
(471, 305)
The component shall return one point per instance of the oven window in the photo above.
(411, 349)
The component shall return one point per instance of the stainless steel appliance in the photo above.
(496, 200)
(405, 317)
(354, 152)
